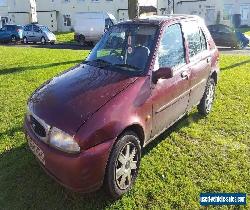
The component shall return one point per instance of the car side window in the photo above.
(212, 29)
(28, 28)
(223, 29)
(203, 40)
(171, 52)
(108, 23)
(36, 28)
(8, 28)
(192, 33)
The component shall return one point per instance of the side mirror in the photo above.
(162, 73)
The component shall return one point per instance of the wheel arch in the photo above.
(138, 130)
(214, 76)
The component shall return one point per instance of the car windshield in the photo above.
(126, 47)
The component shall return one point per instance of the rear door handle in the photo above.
(209, 59)
(185, 75)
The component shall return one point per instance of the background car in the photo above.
(38, 33)
(229, 37)
(11, 33)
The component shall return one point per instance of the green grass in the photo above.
(198, 154)
(65, 37)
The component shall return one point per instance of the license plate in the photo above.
(36, 150)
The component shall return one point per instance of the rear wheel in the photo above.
(207, 100)
(123, 166)
(240, 45)
(25, 40)
(82, 40)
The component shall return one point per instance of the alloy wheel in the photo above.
(210, 97)
(13, 39)
(43, 41)
(25, 41)
(126, 166)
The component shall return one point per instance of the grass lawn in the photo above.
(65, 37)
(198, 155)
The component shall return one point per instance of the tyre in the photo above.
(52, 43)
(43, 41)
(240, 45)
(123, 165)
(25, 40)
(207, 100)
(82, 40)
(13, 38)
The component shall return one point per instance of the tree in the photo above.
(133, 9)
(33, 12)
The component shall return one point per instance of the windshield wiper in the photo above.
(101, 63)
(127, 66)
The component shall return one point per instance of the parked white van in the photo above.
(90, 26)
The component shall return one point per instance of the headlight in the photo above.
(63, 141)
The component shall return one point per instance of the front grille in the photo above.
(37, 127)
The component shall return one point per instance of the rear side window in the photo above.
(171, 51)
(195, 37)
(212, 28)
(203, 41)
(108, 23)
(224, 29)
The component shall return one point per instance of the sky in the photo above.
(148, 2)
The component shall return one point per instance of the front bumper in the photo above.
(82, 172)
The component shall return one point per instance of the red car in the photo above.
(88, 125)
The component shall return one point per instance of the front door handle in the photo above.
(185, 75)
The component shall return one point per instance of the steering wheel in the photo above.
(115, 52)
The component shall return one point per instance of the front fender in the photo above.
(130, 107)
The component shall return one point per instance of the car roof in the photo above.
(35, 24)
(158, 20)
(13, 25)
(218, 25)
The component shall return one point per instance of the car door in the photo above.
(9, 32)
(28, 32)
(31, 32)
(170, 96)
(36, 34)
(199, 60)
(3, 33)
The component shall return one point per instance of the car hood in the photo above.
(70, 99)
(49, 33)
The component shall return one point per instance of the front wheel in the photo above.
(123, 165)
(13, 38)
(43, 41)
(207, 100)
